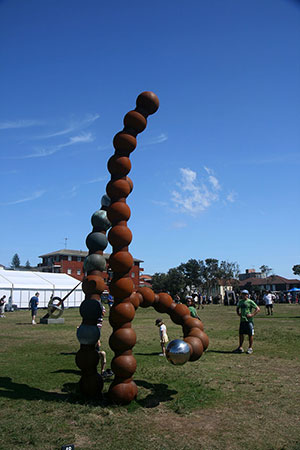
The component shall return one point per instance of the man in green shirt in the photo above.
(192, 308)
(244, 309)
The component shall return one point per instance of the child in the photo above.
(163, 336)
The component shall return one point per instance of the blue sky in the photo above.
(217, 171)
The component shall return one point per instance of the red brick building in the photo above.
(71, 262)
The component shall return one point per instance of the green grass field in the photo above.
(222, 401)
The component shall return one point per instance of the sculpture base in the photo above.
(50, 321)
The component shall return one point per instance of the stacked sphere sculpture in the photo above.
(112, 217)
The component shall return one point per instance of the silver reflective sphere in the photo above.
(88, 334)
(94, 262)
(99, 220)
(105, 200)
(178, 352)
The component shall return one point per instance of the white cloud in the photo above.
(34, 196)
(22, 123)
(157, 140)
(231, 197)
(192, 196)
(179, 225)
(47, 151)
(73, 126)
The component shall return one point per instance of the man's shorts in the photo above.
(34, 312)
(247, 328)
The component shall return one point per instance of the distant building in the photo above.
(145, 280)
(250, 273)
(272, 283)
(71, 263)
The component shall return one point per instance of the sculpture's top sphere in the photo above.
(148, 101)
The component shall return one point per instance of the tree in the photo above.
(192, 272)
(296, 269)
(159, 282)
(265, 270)
(212, 274)
(175, 281)
(171, 282)
(229, 272)
(15, 262)
(27, 264)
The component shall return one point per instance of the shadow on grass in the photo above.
(276, 318)
(12, 390)
(9, 389)
(75, 372)
(159, 393)
(67, 354)
(148, 354)
(220, 351)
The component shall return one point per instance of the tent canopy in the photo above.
(19, 286)
(36, 280)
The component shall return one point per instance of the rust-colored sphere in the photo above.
(122, 393)
(130, 182)
(121, 313)
(91, 385)
(196, 345)
(179, 312)
(122, 339)
(121, 287)
(119, 236)
(196, 332)
(119, 166)
(118, 211)
(192, 322)
(135, 120)
(148, 297)
(164, 302)
(117, 189)
(136, 299)
(120, 262)
(87, 360)
(124, 142)
(123, 366)
(93, 284)
(148, 102)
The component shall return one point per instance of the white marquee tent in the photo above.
(22, 285)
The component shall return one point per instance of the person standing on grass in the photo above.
(268, 299)
(163, 336)
(193, 312)
(33, 305)
(2, 302)
(244, 309)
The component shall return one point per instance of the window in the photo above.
(78, 272)
(69, 271)
(69, 258)
(78, 259)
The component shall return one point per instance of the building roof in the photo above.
(82, 253)
(273, 279)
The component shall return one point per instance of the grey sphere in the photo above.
(178, 352)
(94, 262)
(96, 241)
(88, 334)
(90, 309)
(99, 220)
(105, 200)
